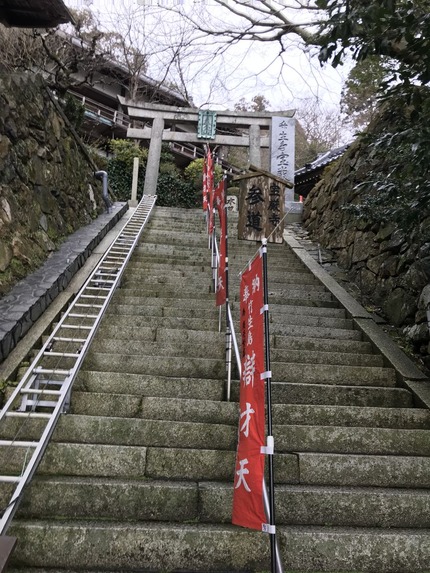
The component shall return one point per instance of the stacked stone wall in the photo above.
(47, 186)
(391, 269)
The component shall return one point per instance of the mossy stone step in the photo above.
(339, 394)
(321, 505)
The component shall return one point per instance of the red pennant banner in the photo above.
(248, 505)
(210, 189)
(220, 205)
(205, 185)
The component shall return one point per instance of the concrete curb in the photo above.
(407, 373)
(26, 302)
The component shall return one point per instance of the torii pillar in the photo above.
(255, 145)
(154, 154)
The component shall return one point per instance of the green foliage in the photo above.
(194, 173)
(120, 168)
(397, 184)
(397, 29)
(74, 111)
(172, 189)
(175, 192)
(126, 150)
(359, 101)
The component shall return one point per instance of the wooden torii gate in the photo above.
(169, 123)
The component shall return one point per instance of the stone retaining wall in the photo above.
(391, 270)
(47, 186)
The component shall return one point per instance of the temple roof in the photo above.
(309, 175)
(33, 13)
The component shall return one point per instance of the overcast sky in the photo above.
(246, 70)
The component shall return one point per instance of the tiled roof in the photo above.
(33, 13)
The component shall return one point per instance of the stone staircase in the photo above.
(139, 475)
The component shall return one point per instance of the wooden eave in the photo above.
(34, 13)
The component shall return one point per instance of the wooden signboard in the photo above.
(261, 207)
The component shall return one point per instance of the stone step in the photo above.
(84, 429)
(197, 435)
(293, 330)
(349, 549)
(212, 349)
(340, 395)
(144, 281)
(318, 357)
(321, 505)
(211, 389)
(313, 298)
(357, 440)
(333, 374)
(314, 321)
(320, 311)
(181, 332)
(201, 258)
(205, 304)
(160, 268)
(174, 237)
(156, 324)
(180, 366)
(320, 344)
(351, 416)
(320, 301)
(217, 412)
(155, 408)
(364, 470)
(137, 462)
(211, 502)
(148, 385)
(152, 272)
(107, 498)
(199, 274)
(198, 547)
(149, 251)
(137, 296)
(172, 213)
(171, 331)
(138, 546)
(208, 313)
(156, 366)
(141, 260)
(196, 387)
(166, 291)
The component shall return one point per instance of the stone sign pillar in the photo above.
(261, 207)
(282, 150)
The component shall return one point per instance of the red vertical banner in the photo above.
(248, 505)
(205, 185)
(220, 205)
(210, 189)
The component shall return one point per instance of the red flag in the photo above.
(248, 505)
(220, 205)
(210, 189)
(205, 185)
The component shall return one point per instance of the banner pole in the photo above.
(228, 326)
(269, 408)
